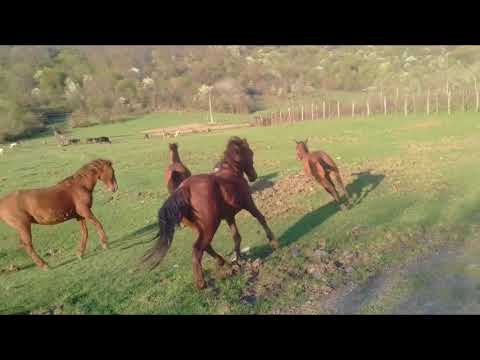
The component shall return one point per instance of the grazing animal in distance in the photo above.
(147, 136)
(203, 201)
(103, 139)
(71, 198)
(321, 166)
(98, 140)
(176, 172)
(12, 145)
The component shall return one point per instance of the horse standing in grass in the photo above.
(176, 172)
(321, 166)
(203, 201)
(69, 199)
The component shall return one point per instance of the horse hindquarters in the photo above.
(24, 229)
(170, 215)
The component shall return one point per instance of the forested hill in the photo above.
(106, 83)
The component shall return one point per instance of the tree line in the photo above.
(109, 83)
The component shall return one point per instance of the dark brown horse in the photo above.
(203, 201)
(69, 199)
(321, 166)
(176, 172)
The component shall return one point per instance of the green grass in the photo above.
(422, 175)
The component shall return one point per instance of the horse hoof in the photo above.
(201, 285)
(79, 256)
(44, 267)
(104, 246)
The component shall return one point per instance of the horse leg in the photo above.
(25, 232)
(201, 245)
(252, 209)
(236, 237)
(197, 253)
(328, 186)
(220, 260)
(83, 241)
(334, 186)
(340, 182)
(88, 215)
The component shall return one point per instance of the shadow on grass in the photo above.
(150, 229)
(263, 182)
(365, 183)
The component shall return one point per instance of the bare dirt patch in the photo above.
(193, 129)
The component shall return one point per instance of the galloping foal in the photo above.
(321, 166)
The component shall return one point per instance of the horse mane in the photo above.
(93, 167)
(234, 147)
(304, 145)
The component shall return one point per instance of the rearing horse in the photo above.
(176, 172)
(203, 201)
(321, 166)
(69, 199)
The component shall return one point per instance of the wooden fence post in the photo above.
(448, 101)
(338, 109)
(385, 105)
(405, 106)
(302, 112)
(353, 109)
(477, 97)
(324, 110)
(428, 102)
(396, 99)
(368, 108)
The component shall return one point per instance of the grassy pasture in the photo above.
(413, 180)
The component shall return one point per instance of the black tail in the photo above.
(169, 216)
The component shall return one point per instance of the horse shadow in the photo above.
(365, 183)
(149, 229)
(263, 182)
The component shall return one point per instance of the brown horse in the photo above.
(69, 199)
(321, 166)
(203, 201)
(176, 172)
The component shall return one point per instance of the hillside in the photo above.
(109, 83)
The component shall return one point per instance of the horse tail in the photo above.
(169, 216)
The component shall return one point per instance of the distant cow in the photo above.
(73, 141)
(98, 140)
